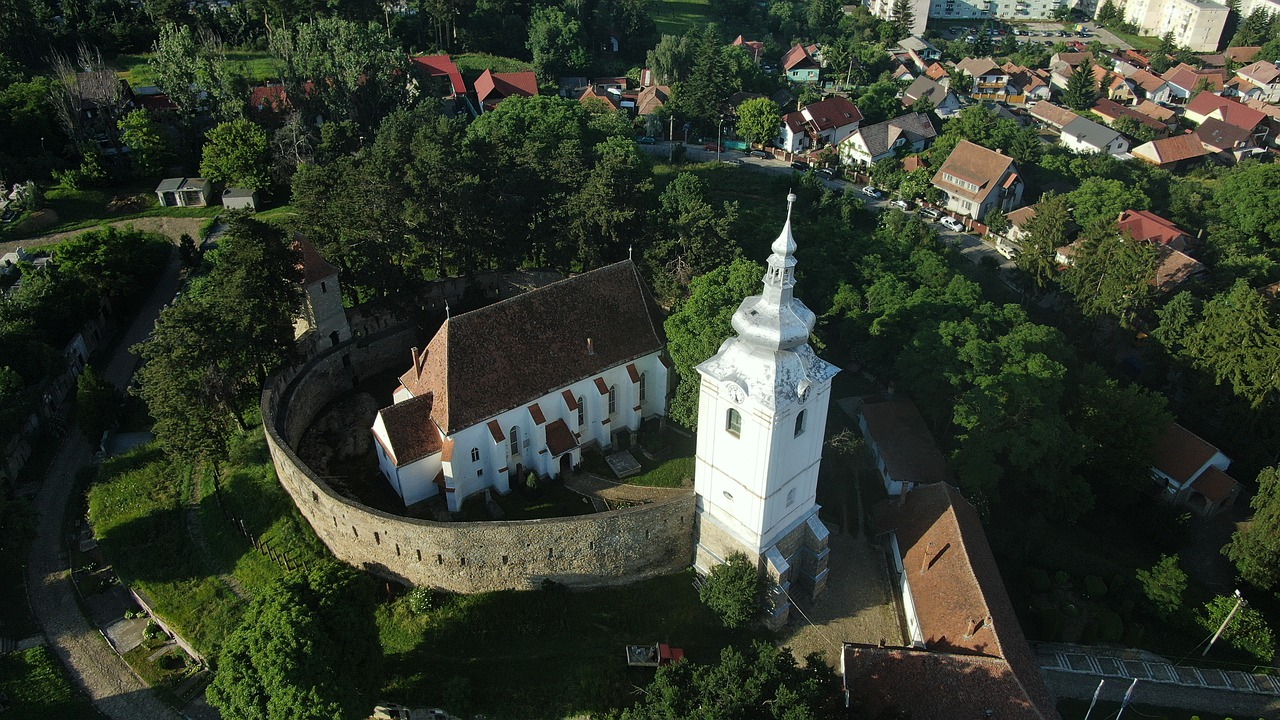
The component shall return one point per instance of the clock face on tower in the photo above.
(735, 392)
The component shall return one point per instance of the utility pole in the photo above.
(719, 127)
(671, 141)
(1239, 602)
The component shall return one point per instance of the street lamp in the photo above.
(719, 126)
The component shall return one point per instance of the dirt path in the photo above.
(173, 227)
(105, 677)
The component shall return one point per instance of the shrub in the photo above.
(1038, 579)
(1070, 610)
(1133, 633)
(1051, 624)
(1094, 587)
(732, 591)
(1164, 585)
(1110, 626)
(1062, 579)
(420, 600)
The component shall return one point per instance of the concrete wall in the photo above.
(610, 548)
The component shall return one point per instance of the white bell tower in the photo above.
(762, 412)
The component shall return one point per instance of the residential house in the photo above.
(1115, 86)
(1205, 106)
(600, 96)
(1146, 226)
(990, 81)
(1245, 53)
(153, 99)
(827, 122)
(474, 412)
(1270, 125)
(1158, 112)
(754, 48)
(102, 99)
(1086, 136)
(938, 73)
(802, 64)
(901, 444)
(1110, 111)
(1179, 152)
(1192, 472)
(492, 88)
(1226, 141)
(945, 102)
(1186, 81)
(240, 199)
(184, 192)
(1026, 85)
(1152, 87)
(1054, 116)
(572, 86)
(1018, 220)
(903, 73)
(651, 99)
(442, 68)
(869, 144)
(975, 180)
(1259, 81)
(921, 51)
(966, 656)
(1173, 268)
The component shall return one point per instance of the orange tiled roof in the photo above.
(1215, 485)
(1180, 453)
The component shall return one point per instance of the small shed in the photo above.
(240, 199)
(184, 192)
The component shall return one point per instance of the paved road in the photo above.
(108, 680)
(1228, 703)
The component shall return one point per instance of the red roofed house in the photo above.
(974, 180)
(754, 48)
(801, 63)
(827, 122)
(1205, 106)
(1110, 111)
(967, 658)
(1185, 81)
(519, 386)
(441, 66)
(1259, 81)
(1192, 472)
(900, 441)
(1172, 153)
(492, 88)
(1146, 226)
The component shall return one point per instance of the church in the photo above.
(522, 385)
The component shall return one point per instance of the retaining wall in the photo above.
(611, 548)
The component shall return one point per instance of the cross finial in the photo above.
(791, 198)
(446, 309)
(629, 252)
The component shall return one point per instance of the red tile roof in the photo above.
(976, 164)
(1180, 453)
(560, 439)
(1215, 485)
(1189, 78)
(314, 267)
(1243, 54)
(1111, 110)
(491, 87)
(797, 56)
(472, 365)
(1146, 226)
(964, 613)
(410, 432)
(1218, 135)
(754, 47)
(441, 66)
(1226, 109)
(1052, 114)
(1262, 72)
(905, 443)
(831, 113)
(1174, 267)
(1171, 149)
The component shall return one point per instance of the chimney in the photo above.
(591, 348)
(419, 361)
(928, 555)
(972, 628)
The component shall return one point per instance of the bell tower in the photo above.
(762, 412)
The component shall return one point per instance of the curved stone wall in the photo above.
(609, 548)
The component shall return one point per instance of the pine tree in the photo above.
(903, 18)
(1082, 89)
(1108, 13)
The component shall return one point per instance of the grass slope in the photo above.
(36, 688)
(256, 65)
(675, 17)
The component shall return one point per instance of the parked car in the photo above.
(713, 147)
(798, 165)
(732, 161)
(826, 173)
(930, 213)
(901, 204)
(760, 154)
(871, 192)
(951, 223)
(647, 140)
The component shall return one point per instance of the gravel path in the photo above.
(108, 680)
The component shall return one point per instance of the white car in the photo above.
(951, 223)
(902, 205)
(872, 192)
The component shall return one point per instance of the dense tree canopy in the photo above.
(1255, 548)
(236, 154)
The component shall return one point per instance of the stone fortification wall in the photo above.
(609, 548)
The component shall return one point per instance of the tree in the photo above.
(671, 59)
(732, 591)
(902, 17)
(557, 42)
(1168, 45)
(1117, 426)
(879, 102)
(96, 401)
(696, 327)
(609, 204)
(1098, 201)
(1164, 585)
(691, 236)
(996, 221)
(765, 683)
(1108, 13)
(307, 649)
(237, 154)
(1082, 88)
(1042, 236)
(758, 120)
(149, 152)
(121, 262)
(1237, 341)
(960, 81)
(1255, 549)
(1112, 275)
(1248, 631)
(1134, 129)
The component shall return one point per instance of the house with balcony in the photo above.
(826, 122)
(990, 81)
(1257, 81)
(868, 145)
(975, 180)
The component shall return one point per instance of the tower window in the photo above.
(791, 497)
(799, 423)
(644, 379)
(475, 454)
(323, 288)
(733, 422)
(582, 412)
(515, 440)
(613, 399)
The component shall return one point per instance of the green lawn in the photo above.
(83, 209)
(542, 653)
(675, 17)
(36, 688)
(1139, 42)
(256, 65)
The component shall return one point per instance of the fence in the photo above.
(282, 558)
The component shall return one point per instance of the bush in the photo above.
(1164, 585)
(1110, 626)
(420, 600)
(1038, 579)
(1051, 624)
(1133, 633)
(1248, 630)
(732, 591)
(1062, 579)
(1094, 587)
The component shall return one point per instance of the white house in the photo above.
(762, 411)
(522, 385)
(902, 445)
(826, 122)
(1258, 81)
(1086, 136)
(1192, 472)
(945, 102)
(910, 133)
(975, 180)
(184, 192)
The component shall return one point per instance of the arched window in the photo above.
(791, 497)
(644, 381)
(582, 412)
(515, 439)
(613, 399)
(799, 423)
(475, 454)
(733, 422)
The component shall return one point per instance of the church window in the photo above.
(799, 423)
(323, 288)
(582, 412)
(613, 399)
(791, 497)
(515, 440)
(733, 422)
(475, 454)
(644, 381)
